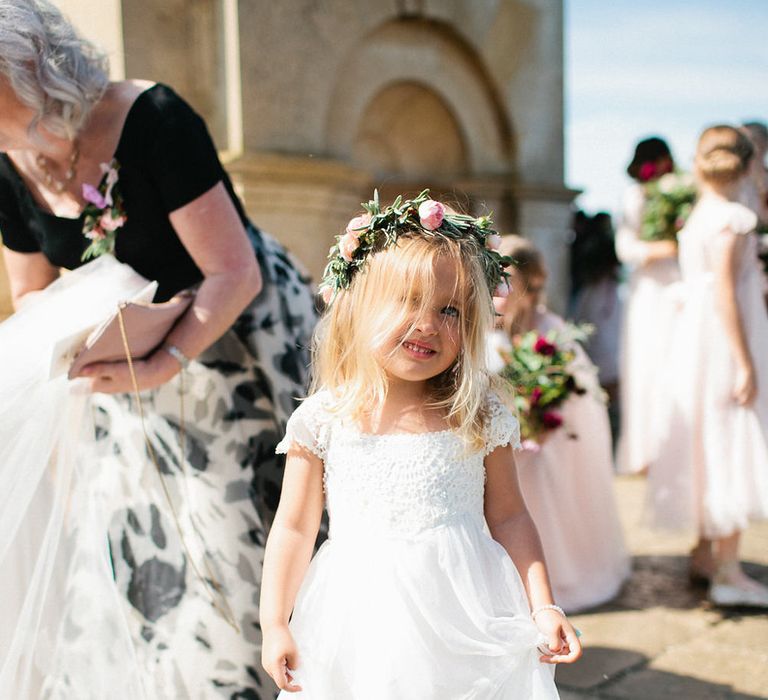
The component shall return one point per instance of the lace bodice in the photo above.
(399, 484)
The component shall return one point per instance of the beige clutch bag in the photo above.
(146, 326)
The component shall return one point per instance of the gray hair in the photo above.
(49, 66)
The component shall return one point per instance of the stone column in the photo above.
(543, 216)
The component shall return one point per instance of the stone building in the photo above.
(314, 103)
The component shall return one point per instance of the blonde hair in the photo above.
(527, 258)
(723, 154)
(363, 318)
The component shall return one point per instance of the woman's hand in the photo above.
(562, 641)
(745, 388)
(279, 656)
(115, 377)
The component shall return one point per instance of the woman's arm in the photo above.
(213, 234)
(511, 526)
(731, 249)
(288, 552)
(630, 248)
(27, 273)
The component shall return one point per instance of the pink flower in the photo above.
(551, 420)
(110, 223)
(327, 295)
(647, 171)
(536, 395)
(348, 244)
(96, 234)
(92, 195)
(431, 214)
(530, 446)
(357, 225)
(493, 241)
(502, 289)
(544, 347)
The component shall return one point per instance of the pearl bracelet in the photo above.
(556, 608)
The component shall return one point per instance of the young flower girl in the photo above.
(412, 453)
(712, 471)
(573, 467)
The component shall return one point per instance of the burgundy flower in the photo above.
(544, 347)
(551, 420)
(536, 395)
(647, 171)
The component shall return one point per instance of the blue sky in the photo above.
(635, 68)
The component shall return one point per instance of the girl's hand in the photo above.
(279, 656)
(562, 642)
(115, 377)
(745, 389)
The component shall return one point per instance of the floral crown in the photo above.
(379, 228)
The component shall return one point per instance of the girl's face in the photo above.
(430, 340)
(525, 295)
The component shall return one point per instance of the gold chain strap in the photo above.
(223, 608)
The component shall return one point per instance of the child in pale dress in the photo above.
(653, 268)
(432, 583)
(581, 535)
(712, 471)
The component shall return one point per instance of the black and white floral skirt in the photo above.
(190, 572)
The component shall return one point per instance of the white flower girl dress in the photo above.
(410, 597)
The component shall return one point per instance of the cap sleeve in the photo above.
(502, 428)
(184, 161)
(741, 220)
(308, 427)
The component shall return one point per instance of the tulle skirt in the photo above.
(439, 616)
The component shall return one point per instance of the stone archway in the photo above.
(407, 131)
(429, 55)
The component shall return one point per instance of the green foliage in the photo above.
(668, 203)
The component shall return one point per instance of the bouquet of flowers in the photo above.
(539, 369)
(668, 202)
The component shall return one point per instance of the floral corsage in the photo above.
(104, 213)
(539, 369)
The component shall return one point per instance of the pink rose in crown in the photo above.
(647, 171)
(110, 223)
(431, 214)
(551, 420)
(493, 241)
(92, 195)
(544, 347)
(348, 244)
(357, 225)
(326, 293)
(502, 289)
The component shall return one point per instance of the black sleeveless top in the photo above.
(167, 159)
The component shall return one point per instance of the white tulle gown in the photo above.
(410, 597)
(711, 474)
(568, 488)
(648, 319)
(54, 504)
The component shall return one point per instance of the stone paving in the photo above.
(661, 639)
